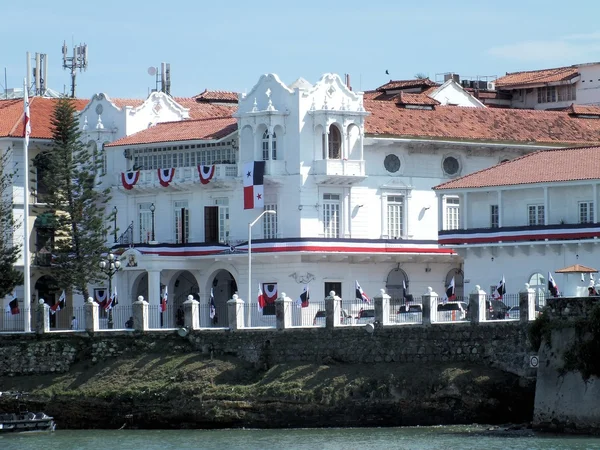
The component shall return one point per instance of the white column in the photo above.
(384, 230)
(362, 145)
(326, 143)
(440, 212)
(500, 209)
(464, 211)
(546, 206)
(154, 298)
(595, 202)
(346, 215)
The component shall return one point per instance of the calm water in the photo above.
(417, 438)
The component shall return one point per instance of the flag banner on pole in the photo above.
(304, 298)
(213, 308)
(270, 290)
(451, 291)
(165, 176)
(129, 179)
(501, 289)
(360, 294)
(206, 173)
(112, 301)
(253, 176)
(60, 304)
(164, 300)
(552, 286)
(27, 117)
(261, 299)
(14, 304)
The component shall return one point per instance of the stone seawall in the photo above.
(497, 345)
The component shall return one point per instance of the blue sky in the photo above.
(227, 45)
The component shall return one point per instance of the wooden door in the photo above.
(211, 224)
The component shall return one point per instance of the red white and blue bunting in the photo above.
(165, 176)
(129, 179)
(206, 173)
(270, 292)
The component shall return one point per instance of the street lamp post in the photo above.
(115, 211)
(110, 266)
(152, 208)
(250, 225)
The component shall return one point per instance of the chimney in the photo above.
(348, 81)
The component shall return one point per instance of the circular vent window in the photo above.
(391, 163)
(451, 165)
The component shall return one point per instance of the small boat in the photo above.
(26, 422)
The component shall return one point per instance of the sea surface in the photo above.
(413, 438)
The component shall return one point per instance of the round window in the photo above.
(451, 165)
(391, 163)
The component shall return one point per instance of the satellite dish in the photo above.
(151, 71)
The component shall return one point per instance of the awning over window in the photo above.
(45, 220)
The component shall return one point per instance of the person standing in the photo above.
(74, 323)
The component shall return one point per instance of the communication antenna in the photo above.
(162, 80)
(39, 73)
(79, 60)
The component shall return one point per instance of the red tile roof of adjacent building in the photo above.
(532, 77)
(546, 166)
(41, 110)
(205, 110)
(186, 130)
(583, 110)
(480, 124)
(406, 84)
(122, 102)
(406, 98)
(217, 96)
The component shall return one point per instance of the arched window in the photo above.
(335, 143)
(265, 145)
(459, 283)
(396, 286)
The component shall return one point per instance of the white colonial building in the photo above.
(528, 217)
(350, 176)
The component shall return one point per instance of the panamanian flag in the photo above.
(253, 175)
(501, 289)
(451, 291)
(60, 304)
(552, 286)
(302, 301)
(361, 294)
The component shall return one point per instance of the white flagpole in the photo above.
(26, 256)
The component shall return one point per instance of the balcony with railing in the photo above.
(520, 234)
(339, 171)
(186, 177)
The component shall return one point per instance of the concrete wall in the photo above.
(501, 346)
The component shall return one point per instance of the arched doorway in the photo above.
(140, 287)
(46, 288)
(184, 284)
(459, 284)
(537, 282)
(223, 286)
(397, 286)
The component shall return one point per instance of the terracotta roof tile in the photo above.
(576, 268)
(41, 110)
(536, 77)
(406, 84)
(185, 130)
(122, 102)
(217, 96)
(583, 110)
(480, 124)
(205, 110)
(405, 98)
(546, 166)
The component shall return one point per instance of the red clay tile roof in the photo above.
(584, 110)
(536, 77)
(406, 84)
(205, 110)
(122, 102)
(576, 268)
(41, 110)
(405, 98)
(546, 166)
(216, 96)
(185, 130)
(480, 124)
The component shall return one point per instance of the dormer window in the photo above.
(335, 143)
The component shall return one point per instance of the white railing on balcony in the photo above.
(340, 167)
(188, 174)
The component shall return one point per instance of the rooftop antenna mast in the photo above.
(79, 60)
(163, 78)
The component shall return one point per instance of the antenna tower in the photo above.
(163, 78)
(79, 60)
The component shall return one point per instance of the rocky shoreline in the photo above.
(158, 391)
